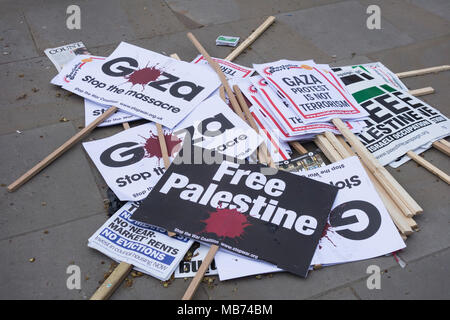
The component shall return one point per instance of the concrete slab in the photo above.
(438, 7)
(424, 54)
(340, 29)
(287, 286)
(431, 280)
(418, 24)
(53, 250)
(16, 42)
(62, 192)
(207, 12)
(120, 20)
(339, 294)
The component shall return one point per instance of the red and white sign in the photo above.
(313, 93)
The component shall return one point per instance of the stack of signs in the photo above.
(145, 84)
(278, 218)
(92, 110)
(148, 248)
(311, 91)
(131, 161)
(359, 226)
(398, 122)
(274, 112)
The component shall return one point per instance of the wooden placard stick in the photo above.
(59, 151)
(263, 152)
(443, 146)
(421, 91)
(429, 166)
(421, 72)
(402, 222)
(298, 147)
(327, 148)
(408, 205)
(255, 34)
(215, 66)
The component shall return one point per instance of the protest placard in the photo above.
(277, 218)
(146, 84)
(313, 95)
(398, 122)
(230, 69)
(359, 226)
(148, 248)
(187, 269)
(131, 161)
(214, 126)
(93, 110)
(61, 55)
(279, 114)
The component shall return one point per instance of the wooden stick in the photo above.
(429, 166)
(443, 146)
(222, 94)
(326, 147)
(405, 202)
(421, 72)
(126, 126)
(162, 144)
(58, 152)
(255, 34)
(263, 153)
(403, 223)
(421, 91)
(298, 147)
(200, 272)
(219, 72)
(112, 282)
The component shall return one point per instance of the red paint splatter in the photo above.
(144, 76)
(226, 223)
(325, 234)
(153, 149)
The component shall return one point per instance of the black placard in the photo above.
(278, 218)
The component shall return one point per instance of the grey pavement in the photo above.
(44, 226)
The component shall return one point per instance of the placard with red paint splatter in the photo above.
(145, 83)
(131, 161)
(245, 208)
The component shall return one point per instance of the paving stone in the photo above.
(207, 12)
(120, 20)
(418, 24)
(53, 250)
(427, 278)
(345, 33)
(424, 54)
(438, 7)
(62, 192)
(16, 42)
(339, 294)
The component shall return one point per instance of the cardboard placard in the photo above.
(230, 69)
(148, 248)
(398, 122)
(278, 218)
(146, 84)
(359, 226)
(311, 92)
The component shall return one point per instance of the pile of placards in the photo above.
(262, 220)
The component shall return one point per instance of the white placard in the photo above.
(146, 84)
(148, 248)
